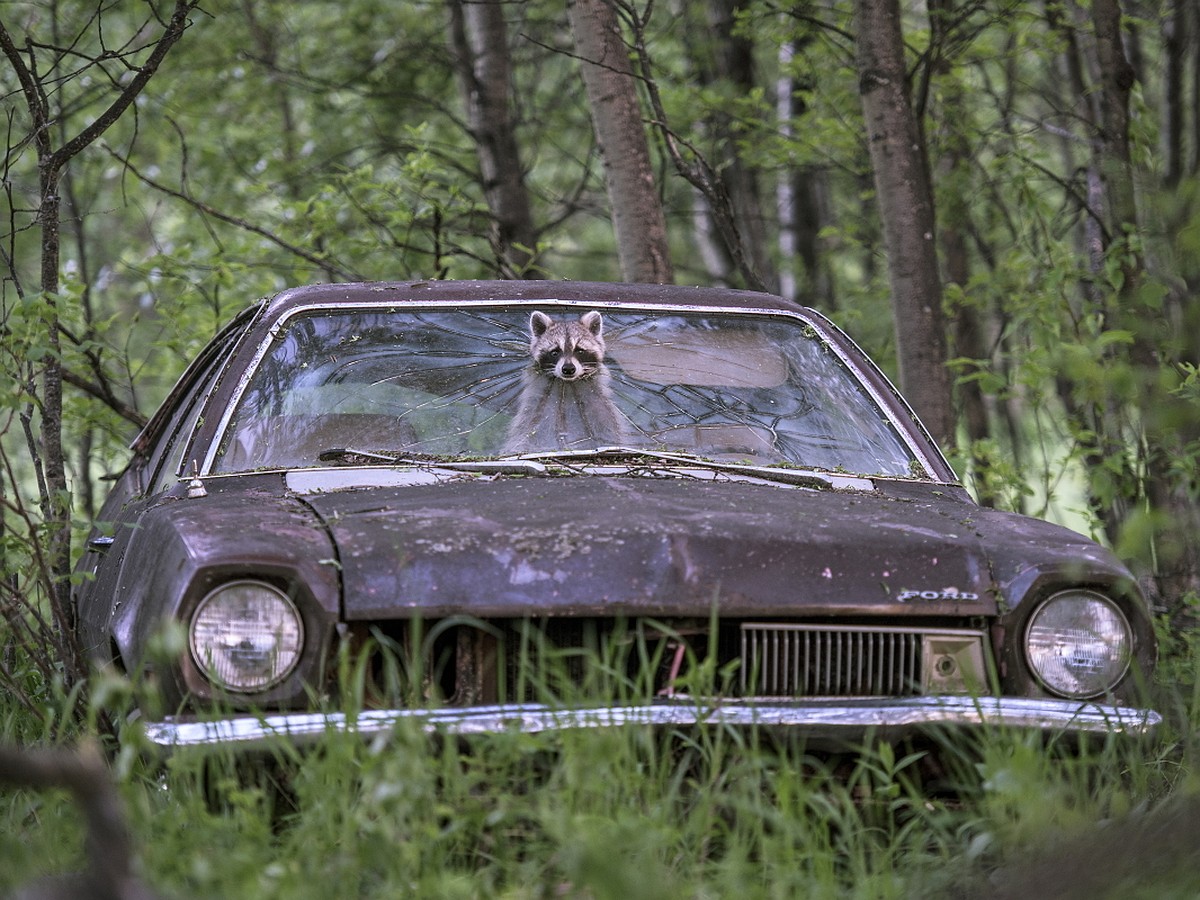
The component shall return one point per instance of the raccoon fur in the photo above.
(566, 401)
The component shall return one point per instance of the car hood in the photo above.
(665, 546)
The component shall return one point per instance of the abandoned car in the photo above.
(540, 505)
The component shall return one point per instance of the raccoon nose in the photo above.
(568, 369)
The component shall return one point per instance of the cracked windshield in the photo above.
(453, 384)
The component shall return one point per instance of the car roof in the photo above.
(508, 291)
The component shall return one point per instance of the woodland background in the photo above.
(1000, 200)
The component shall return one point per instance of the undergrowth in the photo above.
(637, 812)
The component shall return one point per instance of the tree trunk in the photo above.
(56, 505)
(730, 61)
(906, 210)
(953, 175)
(637, 211)
(1174, 92)
(787, 195)
(801, 204)
(1192, 17)
(479, 37)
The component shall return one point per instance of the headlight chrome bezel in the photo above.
(220, 665)
(1062, 637)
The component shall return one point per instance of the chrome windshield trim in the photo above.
(844, 719)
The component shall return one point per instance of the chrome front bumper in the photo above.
(835, 719)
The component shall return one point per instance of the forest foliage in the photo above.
(167, 163)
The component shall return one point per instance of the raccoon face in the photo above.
(567, 350)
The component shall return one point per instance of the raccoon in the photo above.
(566, 400)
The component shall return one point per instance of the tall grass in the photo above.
(637, 812)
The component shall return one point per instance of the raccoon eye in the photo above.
(587, 357)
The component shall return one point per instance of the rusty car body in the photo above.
(772, 538)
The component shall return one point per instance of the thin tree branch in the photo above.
(323, 264)
(102, 392)
(173, 31)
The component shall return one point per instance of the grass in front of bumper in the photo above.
(632, 812)
(620, 813)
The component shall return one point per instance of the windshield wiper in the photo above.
(548, 462)
(631, 455)
(510, 466)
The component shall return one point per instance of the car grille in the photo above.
(815, 661)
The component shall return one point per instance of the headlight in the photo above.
(246, 636)
(1078, 644)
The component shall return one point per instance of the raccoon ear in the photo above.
(538, 323)
(592, 322)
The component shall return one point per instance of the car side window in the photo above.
(166, 457)
(170, 455)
